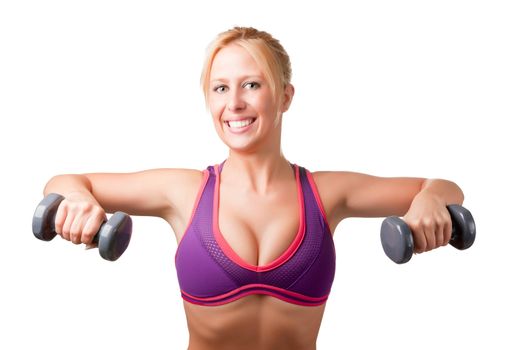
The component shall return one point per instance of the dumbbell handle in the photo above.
(397, 238)
(112, 238)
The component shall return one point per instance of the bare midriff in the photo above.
(255, 322)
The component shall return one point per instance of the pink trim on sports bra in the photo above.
(257, 288)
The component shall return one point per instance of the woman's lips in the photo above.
(239, 126)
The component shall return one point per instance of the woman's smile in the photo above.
(240, 125)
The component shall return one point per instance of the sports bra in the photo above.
(210, 273)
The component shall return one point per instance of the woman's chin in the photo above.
(240, 147)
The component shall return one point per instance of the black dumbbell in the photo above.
(112, 238)
(397, 239)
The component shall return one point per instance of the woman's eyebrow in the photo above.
(245, 77)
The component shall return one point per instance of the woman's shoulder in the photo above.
(333, 188)
(183, 174)
(164, 176)
(182, 180)
(334, 175)
(178, 183)
(181, 186)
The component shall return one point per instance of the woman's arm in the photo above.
(158, 192)
(421, 202)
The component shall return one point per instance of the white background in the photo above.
(390, 88)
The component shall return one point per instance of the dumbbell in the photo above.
(397, 239)
(112, 238)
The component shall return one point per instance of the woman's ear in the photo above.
(288, 94)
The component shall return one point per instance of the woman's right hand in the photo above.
(79, 217)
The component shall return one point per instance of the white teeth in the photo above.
(240, 123)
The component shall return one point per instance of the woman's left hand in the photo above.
(429, 221)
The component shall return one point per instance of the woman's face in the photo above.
(240, 100)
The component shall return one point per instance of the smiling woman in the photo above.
(245, 105)
(255, 257)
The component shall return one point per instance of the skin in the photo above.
(256, 175)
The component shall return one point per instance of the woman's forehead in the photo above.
(234, 61)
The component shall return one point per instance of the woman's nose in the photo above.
(236, 101)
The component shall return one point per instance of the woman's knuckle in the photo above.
(87, 206)
(98, 212)
(74, 234)
(87, 236)
(428, 223)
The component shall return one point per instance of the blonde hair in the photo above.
(265, 50)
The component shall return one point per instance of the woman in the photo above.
(255, 268)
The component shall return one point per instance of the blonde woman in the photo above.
(255, 257)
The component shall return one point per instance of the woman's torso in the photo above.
(258, 228)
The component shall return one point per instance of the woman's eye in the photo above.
(220, 89)
(252, 85)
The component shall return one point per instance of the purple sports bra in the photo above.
(211, 273)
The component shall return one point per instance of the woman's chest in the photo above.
(259, 229)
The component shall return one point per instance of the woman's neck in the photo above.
(256, 172)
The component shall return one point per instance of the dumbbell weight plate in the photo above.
(397, 239)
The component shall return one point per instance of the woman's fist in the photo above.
(79, 217)
(429, 221)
